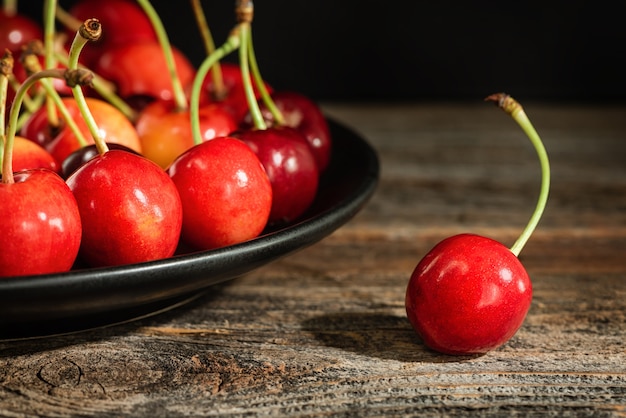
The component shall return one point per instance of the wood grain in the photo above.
(323, 332)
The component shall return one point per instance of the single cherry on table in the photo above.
(470, 294)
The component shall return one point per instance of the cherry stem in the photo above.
(31, 65)
(515, 110)
(49, 58)
(7, 165)
(90, 30)
(9, 7)
(179, 93)
(6, 69)
(255, 111)
(260, 84)
(219, 90)
(232, 43)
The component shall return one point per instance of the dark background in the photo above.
(345, 50)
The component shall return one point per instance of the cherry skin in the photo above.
(225, 192)
(140, 72)
(16, 31)
(113, 126)
(41, 225)
(302, 114)
(124, 22)
(290, 166)
(468, 295)
(165, 133)
(130, 210)
(28, 155)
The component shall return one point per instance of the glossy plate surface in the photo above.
(56, 303)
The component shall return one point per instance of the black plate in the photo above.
(56, 303)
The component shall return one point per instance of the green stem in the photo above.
(32, 104)
(515, 110)
(9, 7)
(230, 45)
(260, 84)
(219, 89)
(179, 93)
(255, 111)
(49, 59)
(7, 164)
(6, 69)
(90, 30)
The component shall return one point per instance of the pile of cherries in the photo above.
(104, 165)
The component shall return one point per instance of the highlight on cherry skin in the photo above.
(470, 294)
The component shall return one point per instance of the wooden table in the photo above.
(324, 331)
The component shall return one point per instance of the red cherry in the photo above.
(41, 226)
(113, 126)
(290, 166)
(225, 192)
(123, 21)
(303, 114)
(17, 30)
(165, 133)
(129, 207)
(140, 72)
(468, 295)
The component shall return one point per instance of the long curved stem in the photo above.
(6, 69)
(230, 45)
(90, 30)
(260, 84)
(255, 111)
(515, 110)
(49, 58)
(209, 46)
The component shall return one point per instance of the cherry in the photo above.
(124, 22)
(130, 209)
(41, 226)
(290, 166)
(17, 30)
(470, 294)
(225, 192)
